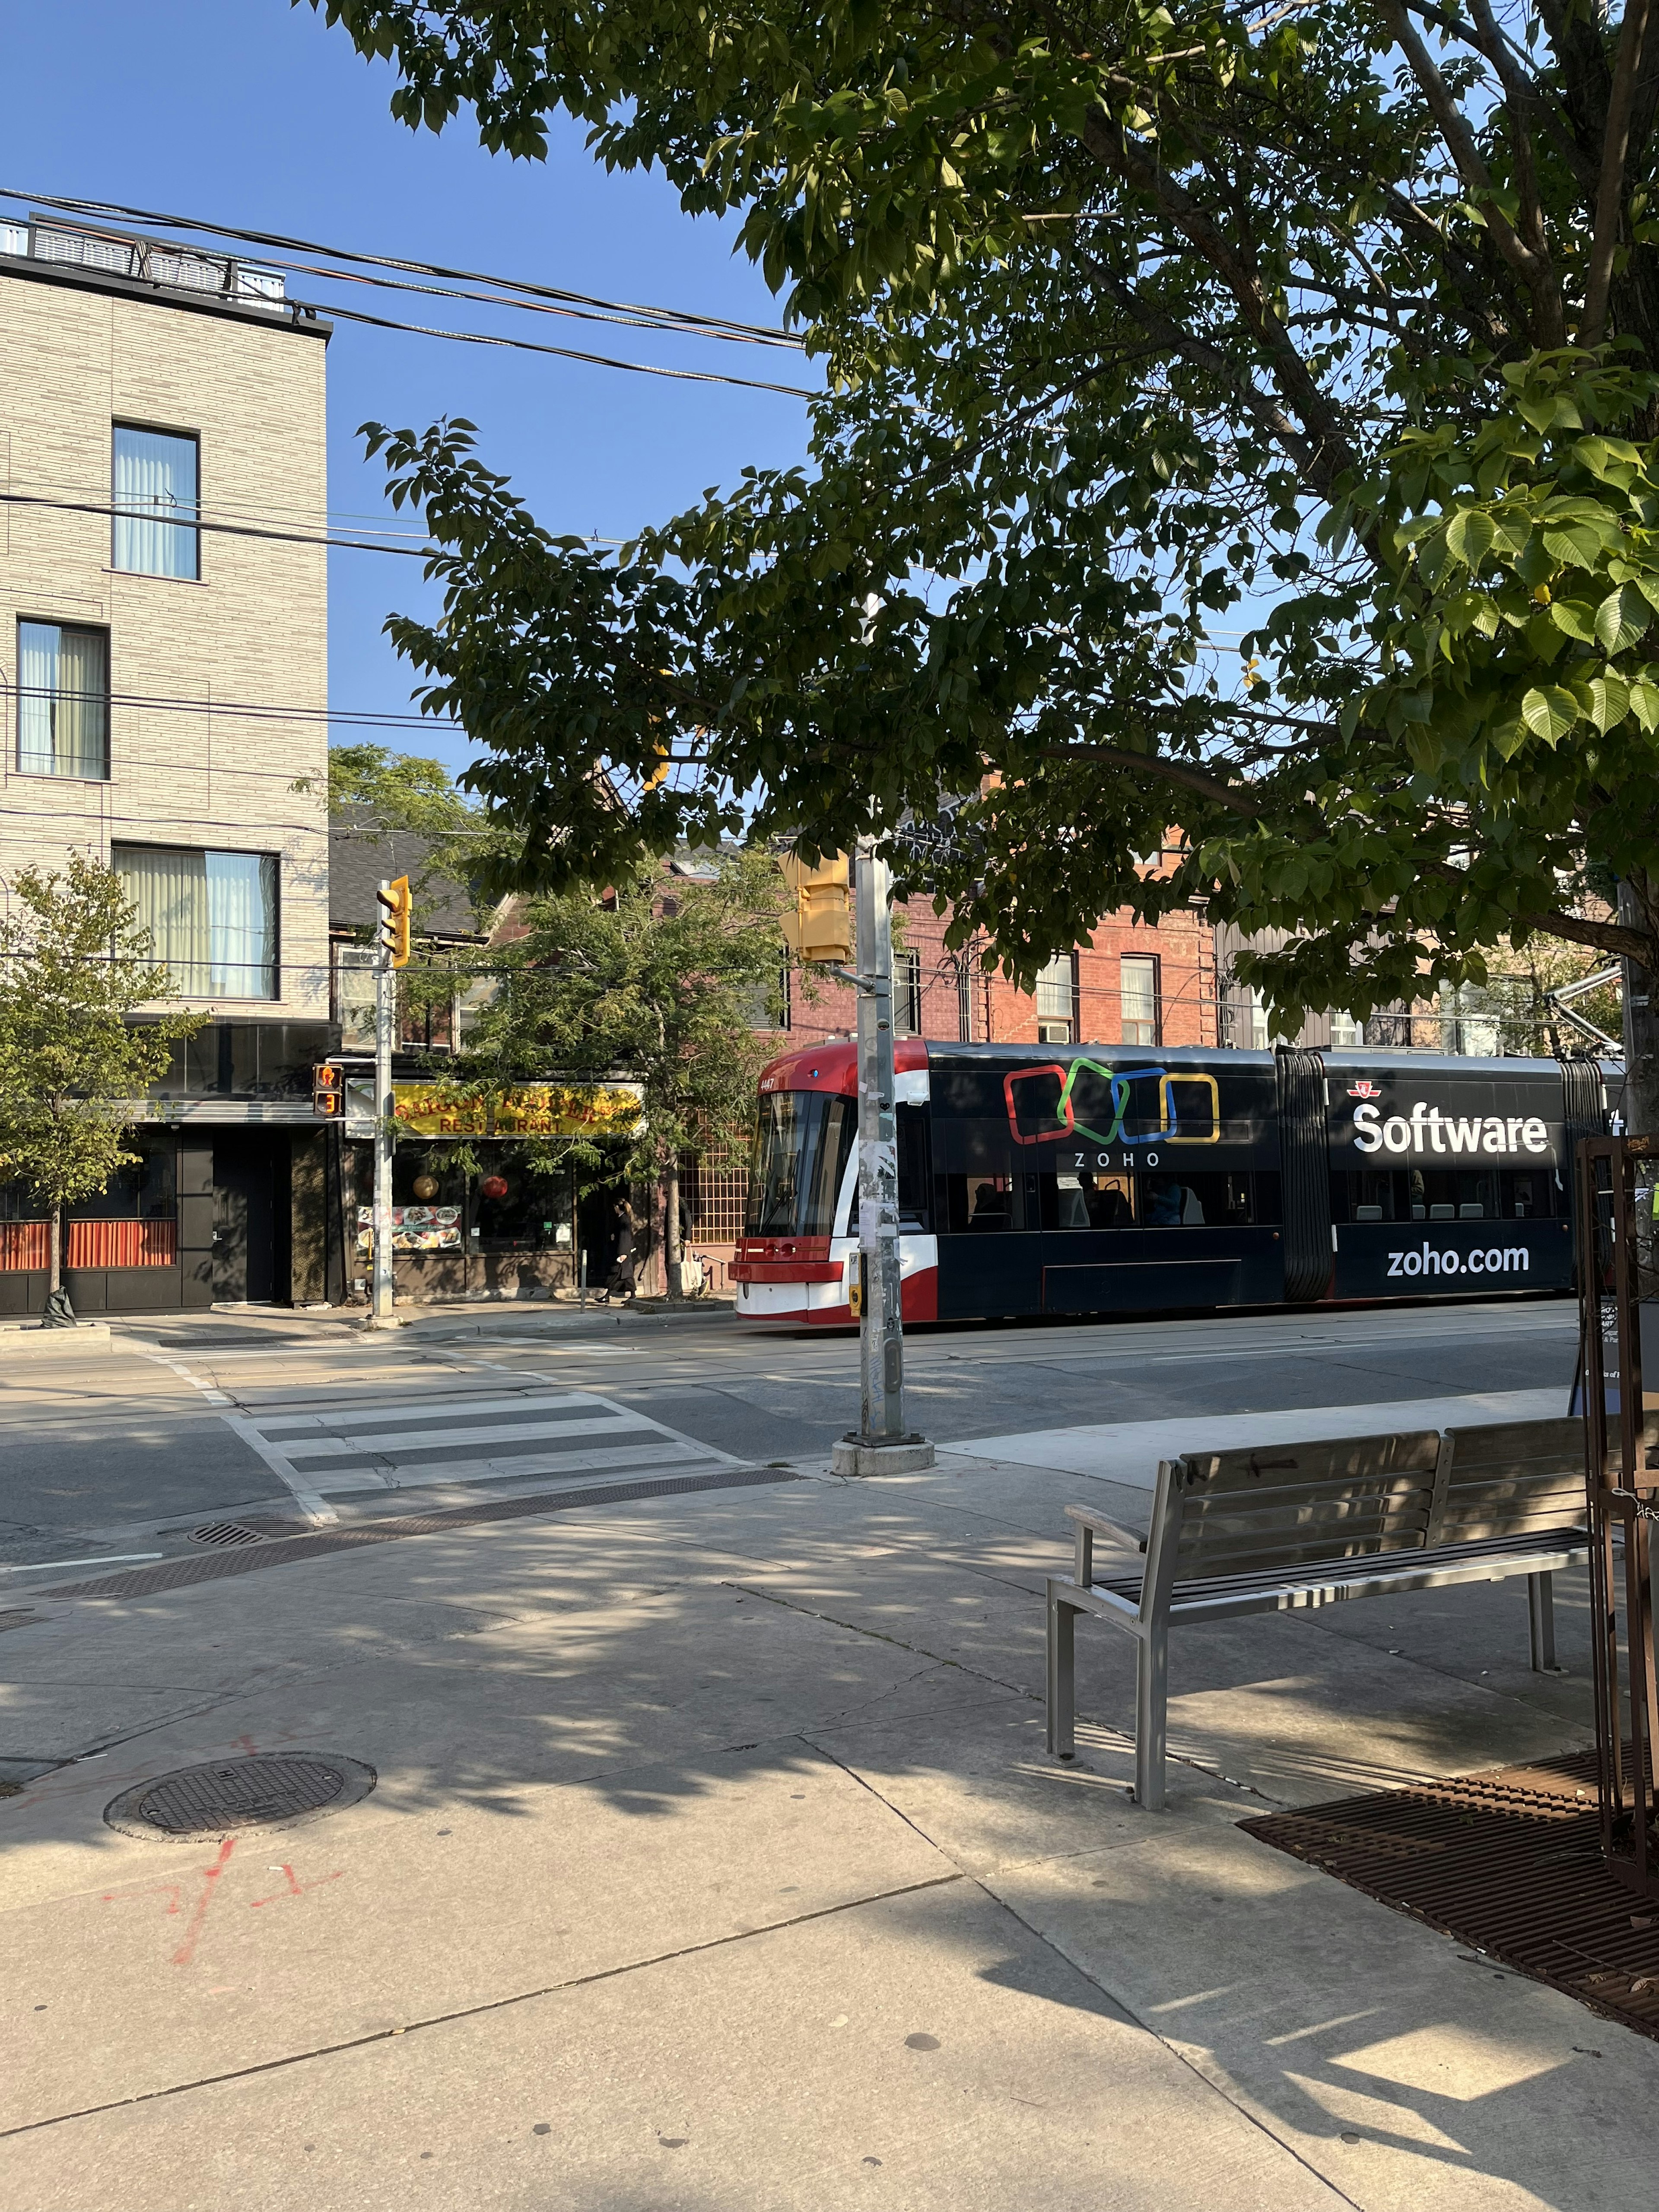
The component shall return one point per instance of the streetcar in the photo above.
(1099, 1180)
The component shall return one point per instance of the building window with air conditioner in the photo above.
(1056, 1001)
(906, 995)
(1139, 994)
(62, 701)
(211, 916)
(157, 505)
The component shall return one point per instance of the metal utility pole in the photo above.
(395, 904)
(386, 1016)
(882, 1445)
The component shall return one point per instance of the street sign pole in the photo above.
(883, 1444)
(385, 1012)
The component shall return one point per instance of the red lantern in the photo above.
(493, 1187)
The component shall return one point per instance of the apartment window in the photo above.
(1056, 1000)
(211, 916)
(906, 995)
(1346, 1033)
(965, 999)
(1138, 987)
(155, 504)
(355, 967)
(63, 700)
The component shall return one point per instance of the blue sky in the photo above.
(250, 111)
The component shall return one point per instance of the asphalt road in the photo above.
(267, 1418)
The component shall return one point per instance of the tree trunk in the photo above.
(59, 1313)
(673, 1255)
(1641, 1025)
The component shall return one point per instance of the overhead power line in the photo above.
(569, 353)
(218, 529)
(693, 322)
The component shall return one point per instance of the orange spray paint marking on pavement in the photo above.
(186, 1950)
(295, 1888)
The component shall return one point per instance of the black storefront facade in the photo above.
(229, 1204)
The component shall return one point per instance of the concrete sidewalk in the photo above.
(715, 1862)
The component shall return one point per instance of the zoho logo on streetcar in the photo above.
(1427, 1130)
(1432, 1260)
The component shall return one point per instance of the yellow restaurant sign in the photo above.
(533, 1109)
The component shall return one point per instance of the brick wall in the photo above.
(75, 359)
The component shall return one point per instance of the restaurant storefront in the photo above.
(484, 1205)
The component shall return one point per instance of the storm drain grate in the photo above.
(225, 1532)
(227, 1795)
(1508, 1863)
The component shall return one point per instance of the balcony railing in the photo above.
(146, 260)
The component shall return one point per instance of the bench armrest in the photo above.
(1088, 1525)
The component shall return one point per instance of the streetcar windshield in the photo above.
(801, 1148)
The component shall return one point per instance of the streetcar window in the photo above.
(912, 1166)
(1196, 1201)
(1087, 1201)
(975, 1202)
(1444, 1195)
(802, 1144)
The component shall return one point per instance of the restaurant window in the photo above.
(155, 504)
(534, 1214)
(133, 1221)
(62, 701)
(211, 916)
(1138, 989)
(1056, 1000)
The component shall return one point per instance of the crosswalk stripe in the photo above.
(424, 1440)
(336, 1481)
(527, 1402)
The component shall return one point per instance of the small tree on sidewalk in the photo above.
(672, 980)
(74, 965)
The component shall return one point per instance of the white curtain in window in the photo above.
(211, 917)
(170, 890)
(156, 485)
(241, 889)
(1054, 990)
(63, 707)
(1138, 982)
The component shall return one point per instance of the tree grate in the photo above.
(1508, 1863)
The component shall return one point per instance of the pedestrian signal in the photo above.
(397, 909)
(327, 1091)
(821, 926)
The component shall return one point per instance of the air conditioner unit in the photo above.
(1054, 1032)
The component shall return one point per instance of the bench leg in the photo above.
(1151, 1700)
(1540, 1622)
(1062, 1678)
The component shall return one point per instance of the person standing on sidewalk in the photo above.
(620, 1283)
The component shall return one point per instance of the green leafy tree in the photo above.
(73, 967)
(1240, 417)
(663, 981)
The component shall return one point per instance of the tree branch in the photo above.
(1167, 771)
(1530, 262)
(1610, 192)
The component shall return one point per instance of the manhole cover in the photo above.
(225, 1532)
(221, 1799)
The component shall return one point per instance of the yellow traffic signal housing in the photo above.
(663, 762)
(821, 926)
(397, 912)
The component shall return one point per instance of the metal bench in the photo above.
(1279, 1527)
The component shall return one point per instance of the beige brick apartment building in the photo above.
(163, 678)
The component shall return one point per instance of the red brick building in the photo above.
(1127, 984)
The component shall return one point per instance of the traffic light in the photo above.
(397, 909)
(821, 926)
(327, 1091)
